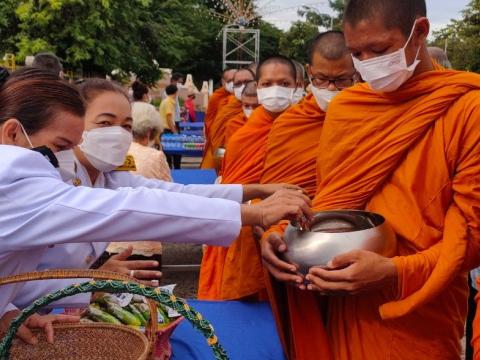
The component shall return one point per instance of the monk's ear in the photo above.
(422, 29)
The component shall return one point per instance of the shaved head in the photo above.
(228, 74)
(281, 60)
(250, 89)
(330, 45)
(439, 56)
(253, 67)
(399, 14)
(300, 73)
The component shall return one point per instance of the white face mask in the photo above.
(247, 111)
(388, 72)
(275, 98)
(238, 92)
(229, 87)
(298, 95)
(66, 164)
(323, 97)
(106, 148)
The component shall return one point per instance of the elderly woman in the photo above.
(146, 127)
(150, 163)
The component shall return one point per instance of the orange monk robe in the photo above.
(292, 158)
(236, 272)
(412, 156)
(215, 103)
(230, 110)
(233, 125)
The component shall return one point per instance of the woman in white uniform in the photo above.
(94, 163)
(39, 210)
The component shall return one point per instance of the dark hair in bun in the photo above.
(139, 90)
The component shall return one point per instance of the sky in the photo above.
(283, 12)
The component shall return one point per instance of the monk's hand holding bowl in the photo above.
(352, 273)
(261, 191)
(272, 245)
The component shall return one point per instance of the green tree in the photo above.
(324, 20)
(462, 38)
(296, 41)
(270, 37)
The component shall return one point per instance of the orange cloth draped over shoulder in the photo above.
(227, 112)
(412, 156)
(234, 124)
(216, 102)
(236, 272)
(292, 158)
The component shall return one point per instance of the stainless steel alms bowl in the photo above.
(337, 232)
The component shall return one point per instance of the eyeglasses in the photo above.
(240, 84)
(323, 83)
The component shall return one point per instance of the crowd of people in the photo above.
(375, 121)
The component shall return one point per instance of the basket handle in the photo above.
(105, 285)
(150, 329)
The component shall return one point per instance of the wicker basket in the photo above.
(98, 341)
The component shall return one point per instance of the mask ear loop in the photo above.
(25, 133)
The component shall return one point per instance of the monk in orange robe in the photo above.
(292, 158)
(216, 102)
(405, 145)
(249, 104)
(230, 110)
(236, 272)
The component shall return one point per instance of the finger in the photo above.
(150, 283)
(26, 335)
(283, 276)
(147, 274)
(328, 287)
(343, 275)
(343, 260)
(48, 328)
(141, 264)
(124, 255)
(272, 259)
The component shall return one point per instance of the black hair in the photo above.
(34, 96)
(91, 88)
(177, 76)
(139, 90)
(171, 89)
(49, 62)
(330, 45)
(4, 75)
(277, 59)
(399, 14)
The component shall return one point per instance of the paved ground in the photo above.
(180, 254)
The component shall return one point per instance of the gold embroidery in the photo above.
(128, 165)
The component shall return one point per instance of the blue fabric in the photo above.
(189, 177)
(246, 330)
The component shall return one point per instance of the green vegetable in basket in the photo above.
(144, 310)
(123, 315)
(137, 313)
(99, 315)
(162, 315)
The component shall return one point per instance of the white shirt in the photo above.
(83, 255)
(38, 210)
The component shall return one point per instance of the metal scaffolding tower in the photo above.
(241, 46)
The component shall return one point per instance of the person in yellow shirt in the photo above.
(168, 108)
